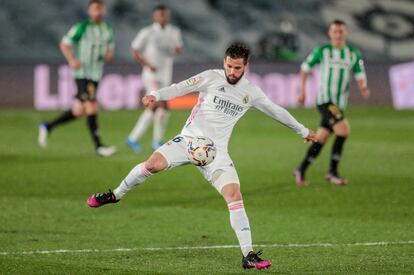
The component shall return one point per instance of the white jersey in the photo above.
(158, 46)
(220, 105)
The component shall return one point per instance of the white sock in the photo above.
(160, 123)
(240, 224)
(137, 176)
(142, 125)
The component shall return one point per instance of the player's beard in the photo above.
(234, 82)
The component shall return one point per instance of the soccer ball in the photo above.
(201, 151)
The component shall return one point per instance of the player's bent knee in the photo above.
(322, 139)
(78, 113)
(231, 192)
(91, 108)
(156, 163)
(343, 132)
(342, 128)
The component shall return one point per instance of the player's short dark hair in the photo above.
(238, 50)
(91, 2)
(160, 7)
(338, 22)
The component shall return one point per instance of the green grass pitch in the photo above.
(43, 200)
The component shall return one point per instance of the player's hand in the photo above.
(148, 100)
(311, 137)
(302, 98)
(109, 55)
(152, 68)
(365, 92)
(74, 64)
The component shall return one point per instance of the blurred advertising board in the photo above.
(51, 86)
(402, 85)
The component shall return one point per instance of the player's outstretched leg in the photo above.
(99, 199)
(135, 177)
(240, 224)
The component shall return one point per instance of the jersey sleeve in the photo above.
(313, 58)
(359, 68)
(178, 39)
(74, 34)
(140, 40)
(263, 104)
(192, 84)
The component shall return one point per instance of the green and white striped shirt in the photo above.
(92, 41)
(336, 66)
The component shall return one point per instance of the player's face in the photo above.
(338, 34)
(234, 69)
(96, 12)
(162, 17)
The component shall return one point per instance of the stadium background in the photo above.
(383, 30)
(363, 228)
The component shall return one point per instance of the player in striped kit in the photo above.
(94, 44)
(224, 97)
(338, 61)
(155, 47)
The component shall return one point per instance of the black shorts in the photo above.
(86, 89)
(331, 115)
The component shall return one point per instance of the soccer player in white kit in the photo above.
(155, 47)
(224, 97)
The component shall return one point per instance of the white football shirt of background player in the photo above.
(158, 46)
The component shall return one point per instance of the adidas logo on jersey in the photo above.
(221, 89)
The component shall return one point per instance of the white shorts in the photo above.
(219, 173)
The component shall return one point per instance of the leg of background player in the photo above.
(142, 125)
(45, 128)
(342, 130)
(91, 108)
(76, 112)
(313, 151)
(161, 116)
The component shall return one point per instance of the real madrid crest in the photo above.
(246, 99)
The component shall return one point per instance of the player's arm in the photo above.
(179, 43)
(72, 37)
(193, 84)
(302, 91)
(312, 59)
(109, 54)
(363, 88)
(70, 57)
(139, 57)
(360, 76)
(284, 117)
(137, 45)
